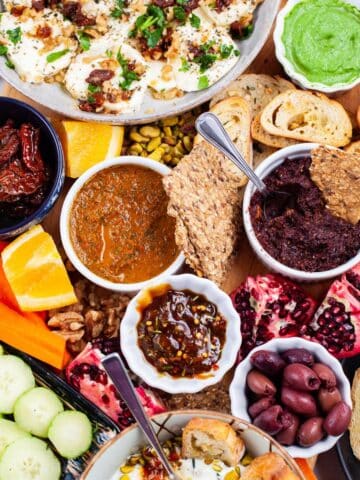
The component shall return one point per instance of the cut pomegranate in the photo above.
(270, 306)
(336, 324)
(86, 374)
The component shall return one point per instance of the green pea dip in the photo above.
(322, 41)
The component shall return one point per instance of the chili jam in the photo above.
(119, 225)
(181, 333)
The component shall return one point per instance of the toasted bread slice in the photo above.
(257, 89)
(355, 418)
(212, 439)
(258, 133)
(353, 147)
(261, 152)
(308, 117)
(269, 466)
(234, 114)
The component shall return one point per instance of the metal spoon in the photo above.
(210, 127)
(116, 370)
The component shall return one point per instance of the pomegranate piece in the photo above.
(336, 324)
(86, 374)
(270, 306)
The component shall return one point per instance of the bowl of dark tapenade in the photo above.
(181, 335)
(300, 238)
(32, 169)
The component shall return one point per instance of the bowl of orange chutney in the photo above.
(114, 224)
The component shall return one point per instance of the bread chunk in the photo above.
(212, 439)
(355, 418)
(268, 467)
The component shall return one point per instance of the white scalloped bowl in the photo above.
(163, 381)
(297, 77)
(239, 401)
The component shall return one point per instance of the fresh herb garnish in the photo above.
(14, 35)
(119, 9)
(180, 14)
(185, 66)
(128, 75)
(248, 31)
(3, 49)
(203, 82)
(195, 21)
(205, 61)
(109, 53)
(9, 64)
(151, 25)
(94, 88)
(207, 46)
(52, 57)
(84, 40)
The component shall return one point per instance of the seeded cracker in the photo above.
(337, 174)
(205, 198)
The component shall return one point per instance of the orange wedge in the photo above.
(36, 272)
(86, 144)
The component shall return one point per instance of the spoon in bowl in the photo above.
(209, 126)
(116, 370)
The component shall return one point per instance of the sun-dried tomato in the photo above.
(17, 10)
(98, 76)
(220, 5)
(43, 31)
(73, 11)
(9, 142)
(95, 102)
(31, 156)
(38, 5)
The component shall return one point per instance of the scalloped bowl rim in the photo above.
(239, 400)
(297, 77)
(65, 229)
(137, 360)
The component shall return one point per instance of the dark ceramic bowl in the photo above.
(52, 153)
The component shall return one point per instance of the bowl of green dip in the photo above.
(318, 43)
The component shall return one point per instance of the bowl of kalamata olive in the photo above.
(296, 391)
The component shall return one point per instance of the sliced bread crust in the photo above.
(261, 135)
(355, 417)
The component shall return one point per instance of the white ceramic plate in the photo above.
(167, 425)
(139, 364)
(54, 97)
(239, 402)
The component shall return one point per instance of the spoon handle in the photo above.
(116, 370)
(210, 127)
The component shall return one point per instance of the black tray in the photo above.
(349, 462)
(104, 428)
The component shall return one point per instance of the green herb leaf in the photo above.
(153, 38)
(248, 31)
(52, 57)
(9, 64)
(3, 49)
(119, 9)
(207, 46)
(195, 21)
(185, 66)
(181, 2)
(94, 88)
(14, 35)
(226, 50)
(180, 14)
(109, 53)
(128, 75)
(150, 25)
(91, 99)
(203, 82)
(84, 40)
(205, 61)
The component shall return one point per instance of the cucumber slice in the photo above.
(15, 378)
(29, 459)
(9, 432)
(71, 433)
(36, 409)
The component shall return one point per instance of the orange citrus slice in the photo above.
(36, 272)
(86, 144)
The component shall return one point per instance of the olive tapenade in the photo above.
(181, 333)
(305, 235)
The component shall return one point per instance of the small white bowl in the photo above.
(297, 77)
(239, 401)
(263, 170)
(65, 221)
(163, 381)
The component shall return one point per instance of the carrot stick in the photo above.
(305, 467)
(32, 338)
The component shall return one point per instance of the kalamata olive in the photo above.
(287, 436)
(298, 355)
(267, 362)
(338, 419)
(270, 420)
(259, 384)
(301, 377)
(328, 397)
(263, 404)
(326, 375)
(299, 402)
(310, 432)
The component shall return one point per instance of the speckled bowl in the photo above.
(106, 463)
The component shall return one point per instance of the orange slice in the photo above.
(86, 144)
(36, 272)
